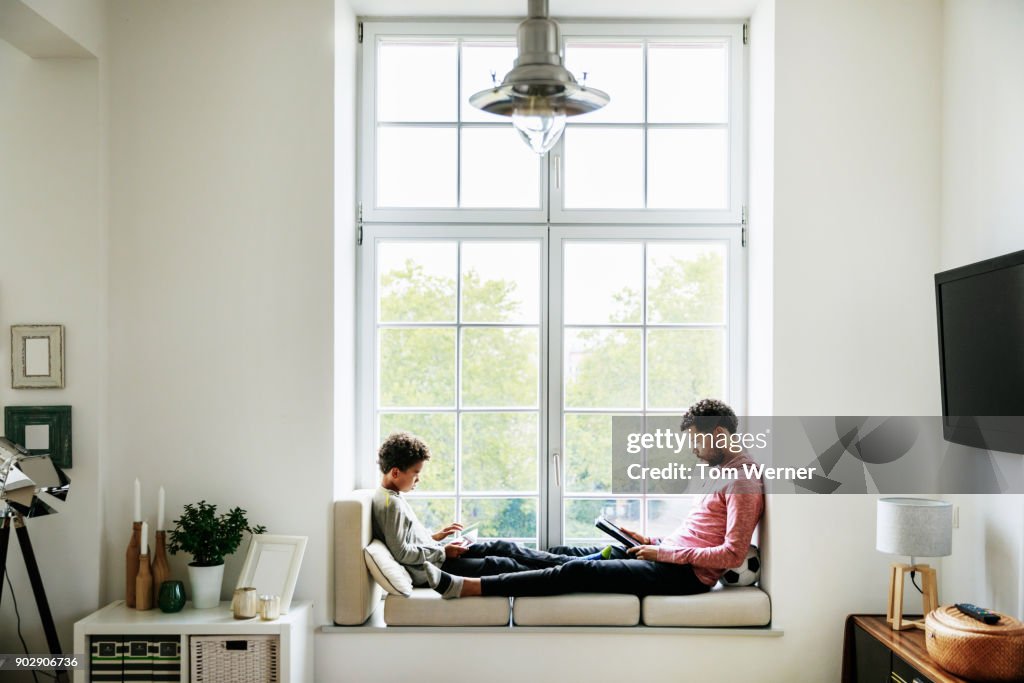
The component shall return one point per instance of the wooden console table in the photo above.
(874, 653)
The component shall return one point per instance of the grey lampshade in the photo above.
(916, 527)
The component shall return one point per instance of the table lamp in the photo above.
(915, 527)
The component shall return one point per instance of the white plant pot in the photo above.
(205, 583)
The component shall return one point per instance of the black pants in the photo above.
(639, 577)
(488, 558)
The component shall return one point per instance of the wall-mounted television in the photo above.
(981, 352)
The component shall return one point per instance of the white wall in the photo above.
(53, 241)
(82, 20)
(221, 276)
(761, 213)
(982, 217)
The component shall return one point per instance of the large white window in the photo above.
(512, 304)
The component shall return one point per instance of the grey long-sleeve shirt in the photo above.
(395, 523)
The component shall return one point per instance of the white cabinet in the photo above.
(160, 643)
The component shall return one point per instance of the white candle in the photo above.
(137, 510)
(144, 547)
(160, 510)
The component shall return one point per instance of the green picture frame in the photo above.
(56, 418)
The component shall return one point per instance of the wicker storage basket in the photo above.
(238, 659)
(974, 650)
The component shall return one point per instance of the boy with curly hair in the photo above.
(429, 561)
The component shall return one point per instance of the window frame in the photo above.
(552, 224)
(735, 350)
(366, 181)
(367, 342)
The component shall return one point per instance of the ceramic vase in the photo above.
(205, 583)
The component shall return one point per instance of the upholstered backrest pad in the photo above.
(355, 592)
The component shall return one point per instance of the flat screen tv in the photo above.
(981, 353)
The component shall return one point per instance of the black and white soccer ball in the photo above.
(747, 573)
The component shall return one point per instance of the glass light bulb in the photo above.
(538, 124)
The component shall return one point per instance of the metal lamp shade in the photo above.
(915, 527)
(539, 86)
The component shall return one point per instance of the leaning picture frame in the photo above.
(41, 430)
(37, 356)
(272, 566)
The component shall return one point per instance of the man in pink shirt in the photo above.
(714, 537)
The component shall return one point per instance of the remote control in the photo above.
(979, 613)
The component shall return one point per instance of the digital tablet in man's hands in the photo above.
(615, 532)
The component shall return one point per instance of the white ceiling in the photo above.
(639, 9)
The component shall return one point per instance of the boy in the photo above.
(429, 561)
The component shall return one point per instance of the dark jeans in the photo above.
(501, 557)
(639, 577)
(618, 551)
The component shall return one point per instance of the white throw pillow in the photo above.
(386, 570)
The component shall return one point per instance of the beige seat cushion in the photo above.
(577, 609)
(426, 608)
(743, 606)
(355, 592)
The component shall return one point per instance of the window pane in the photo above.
(499, 451)
(417, 81)
(580, 515)
(688, 83)
(616, 68)
(685, 283)
(502, 517)
(416, 167)
(602, 368)
(479, 61)
(417, 367)
(500, 367)
(417, 281)
(604, 168)
(498, 170)
(684, 366)
(435, 513)
(664, 515)
(603, 282)
(438, 431)
(501, 282)
(588, 453)
(688, 169)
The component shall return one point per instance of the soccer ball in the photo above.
(747, 573)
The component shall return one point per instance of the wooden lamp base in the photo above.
(929, 595)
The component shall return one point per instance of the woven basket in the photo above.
(242, 659)
(975, 650)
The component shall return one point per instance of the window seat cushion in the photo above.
(577, 609)
(425, 607)
(742, 606)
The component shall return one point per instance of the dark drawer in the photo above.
(904, 673)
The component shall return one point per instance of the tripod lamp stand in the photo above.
(23, 477)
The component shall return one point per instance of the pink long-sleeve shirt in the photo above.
(716, 534)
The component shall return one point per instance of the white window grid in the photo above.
(552, 224)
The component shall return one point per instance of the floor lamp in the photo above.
(22, 478)
(914, 527)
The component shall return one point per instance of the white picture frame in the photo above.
(272, 566)
(37, 356)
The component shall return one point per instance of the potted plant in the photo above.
(208, 538)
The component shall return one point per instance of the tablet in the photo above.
(615, 532)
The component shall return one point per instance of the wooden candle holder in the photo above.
(161, 569)
(144, 585)
(131, 564)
